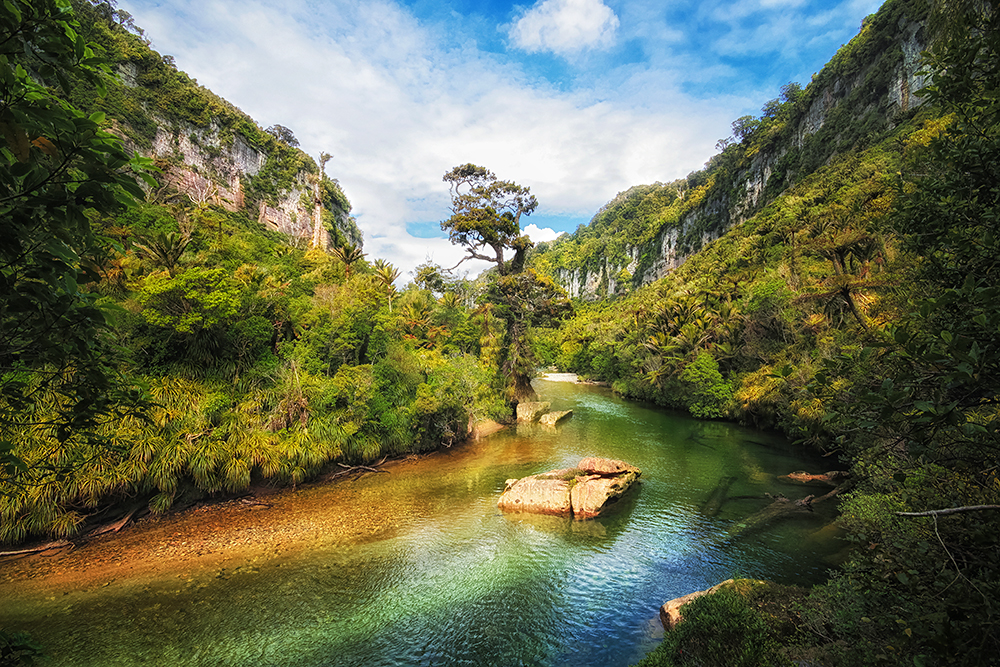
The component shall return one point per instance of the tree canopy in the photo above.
(58, 168)
(486, 216)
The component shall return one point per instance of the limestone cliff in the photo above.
(866, 89)
(207, 148)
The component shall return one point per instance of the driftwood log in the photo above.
(780, 508)
(833, 478)
(58, 544)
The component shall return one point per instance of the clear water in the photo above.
(458, 583)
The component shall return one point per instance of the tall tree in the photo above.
(486, 217)
(486, 221)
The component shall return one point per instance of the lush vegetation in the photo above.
(856, 310)
(158, 347)
(187, 350)
(486, 222)
(625, 241)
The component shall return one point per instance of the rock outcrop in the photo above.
(553, 418)
(582, 492)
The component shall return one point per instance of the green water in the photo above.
(459, 583)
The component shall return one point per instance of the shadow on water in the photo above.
(455, 581)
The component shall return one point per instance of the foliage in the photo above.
(722, 629)
(486, 216)
(262, 361)
(634, 230)
(926, 436)
(485, 220)
(57, 169)
(710, 393)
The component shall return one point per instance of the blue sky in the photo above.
(576, 99)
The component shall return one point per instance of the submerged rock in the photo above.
(553, 418)
(582, 492)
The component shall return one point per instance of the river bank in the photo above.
(219, 534)
(419, 565)
(212, 535)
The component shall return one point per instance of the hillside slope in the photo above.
(206, 147)
(864, 92)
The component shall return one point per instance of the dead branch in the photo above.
(349, 470)
(951, 510)
(115, 526)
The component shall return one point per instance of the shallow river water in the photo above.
(444, 578)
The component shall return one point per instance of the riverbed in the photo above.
(416, 566)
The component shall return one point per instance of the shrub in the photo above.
(720, 629)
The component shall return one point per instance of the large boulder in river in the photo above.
(530, 411)
(582, 492)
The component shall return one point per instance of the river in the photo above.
(418, 567)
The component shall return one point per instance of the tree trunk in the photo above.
(781, 508)
(717, 497)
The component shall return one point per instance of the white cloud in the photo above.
(397, 111)
(565, 26)
(540, 235)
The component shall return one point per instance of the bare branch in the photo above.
(951, 510)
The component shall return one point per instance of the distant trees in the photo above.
(284, 135)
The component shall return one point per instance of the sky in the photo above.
(576, 99)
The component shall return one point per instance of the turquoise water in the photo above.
(459, 583)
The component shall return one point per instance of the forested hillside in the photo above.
(169, 341)
(864, 92)
(186, 311)
(852, 306)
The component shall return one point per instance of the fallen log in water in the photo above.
(718, 496)
(780, 508)
(833, 478)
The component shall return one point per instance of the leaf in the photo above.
(46, 146)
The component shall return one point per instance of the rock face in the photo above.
(839, 89)
(582, 492)
(530, 411)
(553, 418)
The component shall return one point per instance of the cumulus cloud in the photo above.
(565, 26)
(540, 235)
